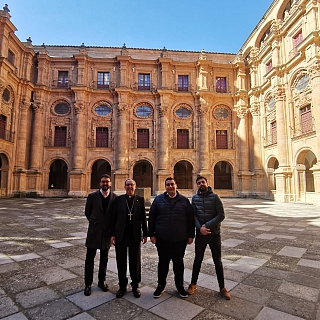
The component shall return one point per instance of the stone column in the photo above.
(244, 174)
(203, 141)
(79, 137)
(76, 175)
(315, 93)
(22, 136)
(284, 172)
(259, 182)
(163, 147)
(37, 137)
(121, 147)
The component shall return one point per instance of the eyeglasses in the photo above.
(130, 185)
(105, 182)
(170, 184)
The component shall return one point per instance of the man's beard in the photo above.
(203, 189)
(105, 188)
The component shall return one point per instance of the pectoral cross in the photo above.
(130, 215)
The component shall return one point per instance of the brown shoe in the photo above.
(224, 292)
(192, 288)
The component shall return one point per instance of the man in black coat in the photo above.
(98, 211)
(171, 228)
(129, 229)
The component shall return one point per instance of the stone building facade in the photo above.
(247, 121)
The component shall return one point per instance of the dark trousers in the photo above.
(170, 251)
(89, 265)
(134, 249)
(214, 242)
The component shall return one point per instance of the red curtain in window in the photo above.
(183, 139)
(60, 136)
(273, 132)
(306, 121)
(222, 139)
(143, 138)
(297, 39)
(102, 137)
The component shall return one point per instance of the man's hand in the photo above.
(190, 240)
(113, 240)
(144, 240)
(153, 239)
(204, 230)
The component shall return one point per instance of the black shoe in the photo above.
(183, 293)
(136, 293)
(120, 293)
(87, 291)
(158, 292)
(103, 286)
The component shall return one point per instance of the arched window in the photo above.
(58, 175)
(99, 168)
(183, 174)
(223, 176)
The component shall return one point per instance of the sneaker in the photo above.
(183, 293)
(225, 294)
(158, 292)
(192, 288)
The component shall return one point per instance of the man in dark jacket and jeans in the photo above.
(209, 213)
(171, 228)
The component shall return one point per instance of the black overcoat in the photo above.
(140, 228)
(98, 236)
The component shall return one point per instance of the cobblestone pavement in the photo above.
(271, 260)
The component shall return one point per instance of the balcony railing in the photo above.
(137, 87)
(105, 86)
(59, 84)
(270, 140)
(177, 88)
(6, 135)
(294, 52)
(299, 131)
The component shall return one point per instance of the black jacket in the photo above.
(119, 218)
(171, 222)
(208, 210)
(98, 236)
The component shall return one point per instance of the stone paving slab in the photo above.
(271, 257)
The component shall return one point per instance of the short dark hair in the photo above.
(105, 176)
(170, 178)
(201, 177)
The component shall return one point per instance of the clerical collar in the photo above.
(105, 194)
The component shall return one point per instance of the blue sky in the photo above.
(216, 26)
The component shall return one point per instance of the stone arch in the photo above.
(183, 173)
(4, 170)
(98, 168)
(305, 161)
(265, 31)
(223, 175)
(58, 175)
(143, 174)
(272, 165)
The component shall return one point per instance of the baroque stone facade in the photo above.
(247, 121)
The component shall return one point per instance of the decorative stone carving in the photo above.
(255, 109)
(163, 110)
(242, 113)
(122, 108)
(79, 107)
(38, 107)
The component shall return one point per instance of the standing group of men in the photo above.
(121, 221)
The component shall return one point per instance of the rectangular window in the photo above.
(60, 136)
(306, 119)
(182, 139)
(273, 132)
(3, 121)
(143, 138)
(183, 83)
(269, 66)
(143, 81)
(63, 79)
(11, 57)
(103, 80)
(102, 137)
(297, 38)
(222, 139)
(221, 84)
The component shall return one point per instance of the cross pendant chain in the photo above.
(130, 214)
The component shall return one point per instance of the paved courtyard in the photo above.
(271, 257)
